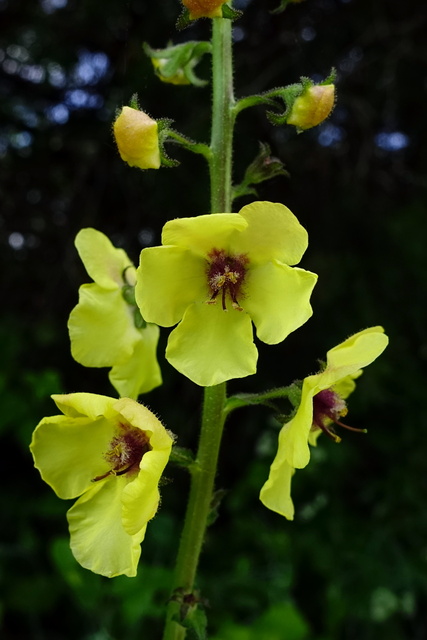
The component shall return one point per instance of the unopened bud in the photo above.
(137, 139)
(177, 78)
(204, 8)
(312, 107)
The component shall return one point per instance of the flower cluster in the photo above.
(111, 453)
(322, 404)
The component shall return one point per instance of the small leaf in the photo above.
(181, 456)
(231, 14)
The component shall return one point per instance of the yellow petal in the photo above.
(201, 234)
(139, 373)
(141, 495)
(68, 452)
(276, 492)
(104, 263)
(90, 405)
(211, 345)
(273, 233)
(169, 280)
(277, 299)
(137, 139)
(98, 539)
(101, 327)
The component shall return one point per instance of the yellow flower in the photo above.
(217, 273)
(322, 404)
(312, 107)
(105, 329)
(204, 8)
(111, 453)
(137, 139)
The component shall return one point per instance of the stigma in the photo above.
(328, 408)
(226, 275)
(125, 451)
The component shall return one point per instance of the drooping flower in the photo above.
(322, 404)
(111, 453)
(137, 139)
(106, 329)
(312, 107)
(204, 8)
(217, 273)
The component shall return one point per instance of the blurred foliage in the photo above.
(353, 564)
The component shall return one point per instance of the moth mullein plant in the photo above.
(106, 328)
(215, 275)
(112, 454)
(321, 407)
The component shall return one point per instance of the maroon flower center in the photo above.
(226, 275)
(329, 406)
(125, 451)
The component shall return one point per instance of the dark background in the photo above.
(352, 565)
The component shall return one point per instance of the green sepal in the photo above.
(294, 393)
(230, 13)
(196, 623)
(183, 20)
(181, 58)
(263, 167)
(191, 614)
(182, 457)
(134, 102)
(138, 319)
(128, 293)
(217, 498)
(288, 94)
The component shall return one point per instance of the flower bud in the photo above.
(179, 77)
(312, 107)
(137, 139)
(204, 8)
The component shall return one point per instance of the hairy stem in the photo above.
(203, 470)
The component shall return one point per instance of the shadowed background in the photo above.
(352, 565)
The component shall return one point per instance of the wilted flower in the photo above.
(322, 405)
(106, 328)
(217, 273)
(137, 139)
(111, 453)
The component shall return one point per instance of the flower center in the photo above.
(226, 275)
(329, 406)
(125, 451)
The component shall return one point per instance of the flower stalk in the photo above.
(222, 116)
(203, 470)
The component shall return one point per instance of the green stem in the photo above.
(222, 116)
(251, 399)
(199, 504)
(190, 145)
(203, 470)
